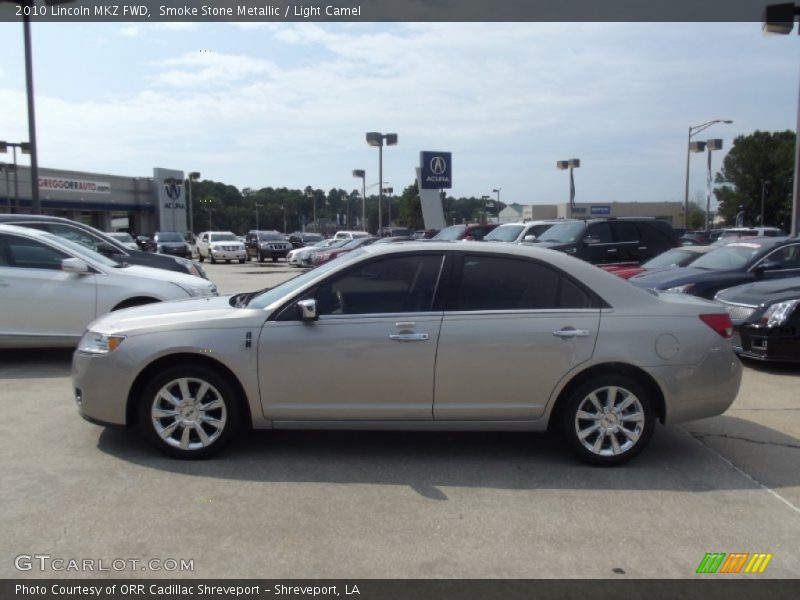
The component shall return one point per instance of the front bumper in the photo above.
(759, 343)
(100, 385)
(227, 254)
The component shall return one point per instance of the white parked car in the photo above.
(298, 256)
(519, 232)
(52, 288)
(220, 245)
(350, 235)
(123, 238)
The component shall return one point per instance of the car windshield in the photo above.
(453, 232)
(169, 237)
(122, 237)
(504, 233)
(733, 256)
(222, 237)
(81, 251)
(270, 237)
(563, 232)
(676, 257)
(273, 295)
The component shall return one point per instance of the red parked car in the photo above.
(677, 257)
(331, 253)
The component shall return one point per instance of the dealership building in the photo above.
(141, 205)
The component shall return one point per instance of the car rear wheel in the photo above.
(608, 420)
(189, 412)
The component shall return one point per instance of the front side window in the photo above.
(787, 257)
(23, 253)
(498, 283)
(396, 284)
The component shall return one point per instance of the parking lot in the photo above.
(395, 505)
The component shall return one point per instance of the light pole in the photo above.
(388, 191)
(310, 194)
(497, 191)
(193, 176)
(486, 199)
(572, 163)
(375, 138)
(694, 130)
(209, 202)
(711, 145)
(764, 185)
(780, 18)
(6, 168)
(363, 175)
(257, 206)
(25, 148)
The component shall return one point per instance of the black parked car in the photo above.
(105, 245)
(266, 244)
(172, 243)
(740, 262)
(766, 319)
(299, 239)
(604, 241)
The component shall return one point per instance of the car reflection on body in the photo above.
(766, 316)
(297, 257)
(52, 288)
(676, 257)
(417, 321)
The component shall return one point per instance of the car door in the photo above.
(38, 299)
(370, 354)
(626, 242)
(597, 246)
(512, 328)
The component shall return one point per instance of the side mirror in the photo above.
(74, 265)
(529, 238)
(591, 239)
(767, 265)
(308, 309)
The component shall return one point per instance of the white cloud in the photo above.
(132, 31)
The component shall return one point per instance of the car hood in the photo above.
(183, 279)
(762, 292)
(172, 244)
(681, 276)
(203, 313)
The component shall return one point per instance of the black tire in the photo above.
(274, 259)
(181, 435)
(619, 419)
(241, 261)
(260, 257)
(200, 257)
(212, 259)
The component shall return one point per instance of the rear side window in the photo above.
(625, 232)
(499, 283)
(656, 240)
(600, 233)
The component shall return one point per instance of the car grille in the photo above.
(739, 313)
(229, 248)
(278, 246)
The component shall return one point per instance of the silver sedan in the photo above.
(424, 336)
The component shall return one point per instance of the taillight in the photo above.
(721, 323)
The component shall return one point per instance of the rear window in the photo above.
(454, 232)
(504, 233)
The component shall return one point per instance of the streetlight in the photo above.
(310, 194)
(486, 200)
(710, 145)
(764, 185)
(497, 191)
(209, 202)
(25, 148)
(193, 176)
(572, 163)
(6, 168)
(257, 206)
(388, 191)
(363, 175)
(694, 130)
(375, 138)
(780, 18)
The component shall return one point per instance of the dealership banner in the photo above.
(74, 185)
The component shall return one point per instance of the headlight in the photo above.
(681, 289)
(198, 292)
(93, 342)
(778, 314)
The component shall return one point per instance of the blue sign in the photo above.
(601, 210)
(436, 170)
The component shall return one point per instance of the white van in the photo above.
(350, 235)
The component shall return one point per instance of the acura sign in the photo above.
(436, 170)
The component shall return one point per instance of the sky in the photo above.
(288, 105)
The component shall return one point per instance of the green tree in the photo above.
(753, 159)
(411, 208)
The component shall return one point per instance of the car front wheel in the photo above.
(608, 420)
(189, 412)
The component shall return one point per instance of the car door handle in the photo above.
(609, 250)
(569, 332)
(409, 337)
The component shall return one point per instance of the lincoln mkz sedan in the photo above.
(417, 325)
